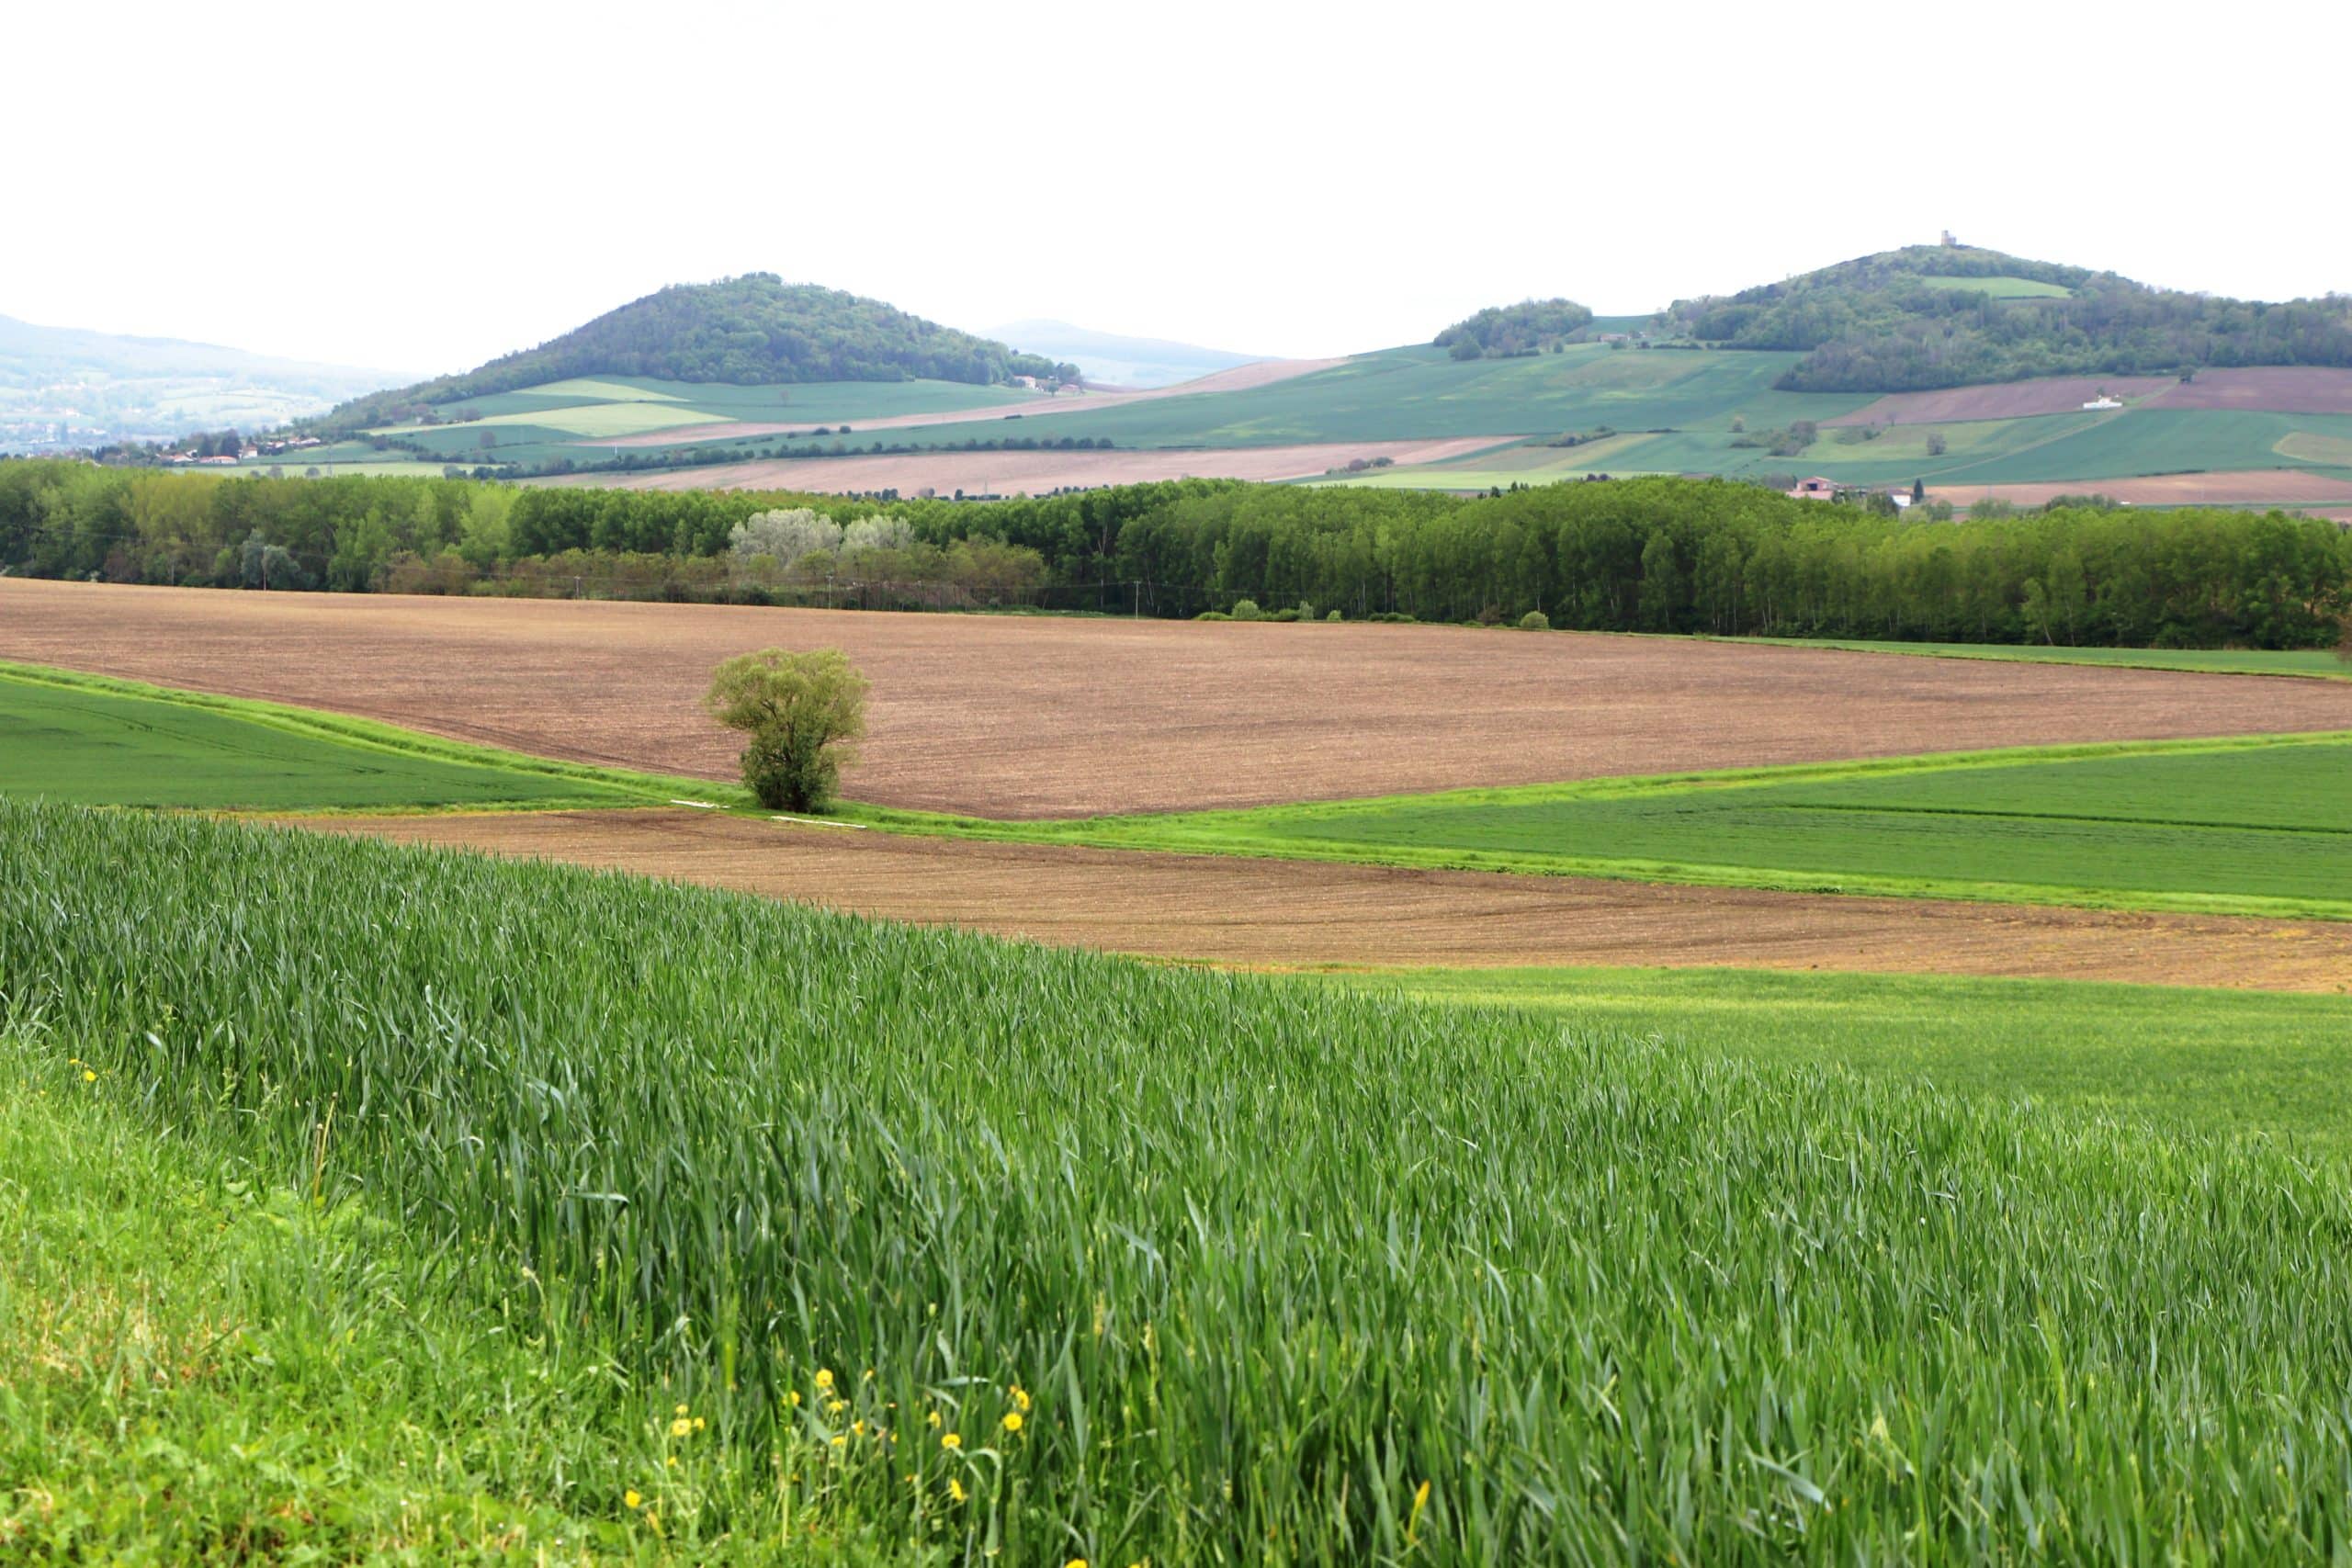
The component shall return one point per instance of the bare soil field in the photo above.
(2261, 487)
(2009, 399)
(1286, 914)
(1241, 377)
(1029, 716)
(1032, 473)
(2273, 389)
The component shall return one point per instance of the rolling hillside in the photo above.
(1845, 373)
(101, 388)
(755, 330)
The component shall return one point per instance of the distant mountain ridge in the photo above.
(749, 331)
(114, 387)
(1118, 360)
(1951, 315)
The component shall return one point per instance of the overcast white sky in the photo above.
(423, 186)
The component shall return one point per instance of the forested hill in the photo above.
(750, 330)
(1957, 315)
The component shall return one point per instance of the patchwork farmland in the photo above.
(1288, 1017)
(362, 1007)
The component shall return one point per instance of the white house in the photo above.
(2104, 402)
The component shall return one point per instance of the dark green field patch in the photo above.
(99, 748)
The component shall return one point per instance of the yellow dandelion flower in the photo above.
(681, 1410)
(699, 1423)
(932, 1417)
(824, 1377)
(1020, 1396)
(88, 1076)
(950, 1440)
(1012, 1420)
(681, 1427)
(1074, 1563)
(858, 1427)
(632, 1499)
(956, 1489)
(795, 1396)
(839, 1441)
(673, 1462)
(835, 1406)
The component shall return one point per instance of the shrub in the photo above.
(1535, 621)
(802, 711)
(1212, 616)
(1334, 615)
(1246, 610)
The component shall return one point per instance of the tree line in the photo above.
(1664, 555)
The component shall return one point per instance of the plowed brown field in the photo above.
(1232, 910)
(1013, 717)
(2276, 389)
(2261, 487)
(2008, 400)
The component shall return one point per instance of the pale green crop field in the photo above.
(2002, 288)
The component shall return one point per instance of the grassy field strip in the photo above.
(2240, 857)
(2186, 1058)
(1127, 1264)
(538, 783)
(2308, 664)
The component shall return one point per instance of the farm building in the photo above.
(2104, 402)
(1814, 489)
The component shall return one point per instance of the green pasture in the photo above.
(815, 402)
(93, 741)
(2317, 662)
(2158, 441)
(419, 1204)
(2260, 826)
(1417, 392)
(2187, 1059)
(2001, 287)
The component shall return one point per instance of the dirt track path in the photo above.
(1037, 717)
(1289, 914)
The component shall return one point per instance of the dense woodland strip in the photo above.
(1638, 555)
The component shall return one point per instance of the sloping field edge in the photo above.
(1253, 832)
(370, 735)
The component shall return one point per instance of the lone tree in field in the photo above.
(802, 711)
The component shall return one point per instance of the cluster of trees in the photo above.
(1633, 555)
(1500, 332)
(1885, 323)
(747, 330)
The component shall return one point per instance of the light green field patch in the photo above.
(595, 421)
(601, 391)
(2313, 446)
(2002, 288)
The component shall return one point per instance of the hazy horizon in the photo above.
(424, 197)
